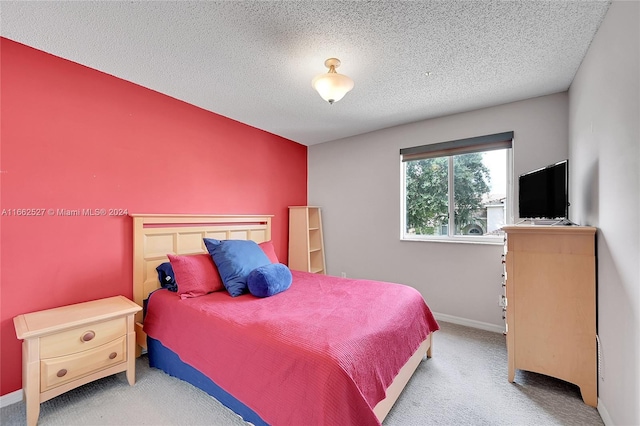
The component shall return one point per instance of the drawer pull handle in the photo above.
(112, 355)
(62, 372)
(88, 336)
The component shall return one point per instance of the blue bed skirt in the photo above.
(168, 361)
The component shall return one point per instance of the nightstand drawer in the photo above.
(82, 338)
(60, 370)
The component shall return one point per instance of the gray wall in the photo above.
(605, 160)
(356, 181)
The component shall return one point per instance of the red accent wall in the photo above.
(75, 138)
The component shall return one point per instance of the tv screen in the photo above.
(544, 192)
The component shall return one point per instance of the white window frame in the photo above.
(480, 239)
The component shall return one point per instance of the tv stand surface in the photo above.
(547, 222)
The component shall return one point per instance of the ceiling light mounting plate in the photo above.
(332, 62)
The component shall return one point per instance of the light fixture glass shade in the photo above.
(332, 86)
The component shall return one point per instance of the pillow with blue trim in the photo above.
(196, 275)
(235, 259)
(166, 276)
(269, 279)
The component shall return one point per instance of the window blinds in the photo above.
(460, 146)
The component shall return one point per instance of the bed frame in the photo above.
(155, 235)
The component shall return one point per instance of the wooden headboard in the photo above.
(156, 235)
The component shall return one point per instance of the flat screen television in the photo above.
(544, 193)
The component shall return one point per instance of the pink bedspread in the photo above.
(321, 353)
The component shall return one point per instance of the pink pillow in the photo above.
(270, 251)
(196, 275)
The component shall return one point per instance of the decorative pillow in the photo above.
(270, 279)
(270, 251)
(235, 259)
(166, 276)
(196, 275)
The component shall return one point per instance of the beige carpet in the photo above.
(465, 383)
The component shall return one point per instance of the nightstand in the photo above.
(70, 346)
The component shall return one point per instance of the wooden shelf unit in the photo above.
(306, 245)
(551, 303)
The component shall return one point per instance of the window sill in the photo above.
(492, 241)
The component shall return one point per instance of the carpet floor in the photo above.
(465, 383)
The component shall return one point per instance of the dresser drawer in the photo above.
(60, 370)
(82, 338)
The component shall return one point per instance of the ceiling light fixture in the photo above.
(332, 86)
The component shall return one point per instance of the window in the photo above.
(457, 190)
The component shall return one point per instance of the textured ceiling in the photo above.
(253, 61)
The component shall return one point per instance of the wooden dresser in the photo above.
(551, 303)
(70, 346)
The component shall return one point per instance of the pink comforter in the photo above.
(321, 353)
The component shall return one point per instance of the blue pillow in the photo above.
(235, 259)
(166, 277)
(268, 280)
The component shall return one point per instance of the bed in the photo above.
(322, 352)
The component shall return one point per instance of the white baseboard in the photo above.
(11, 398)
(469, 323)
(604, 414)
